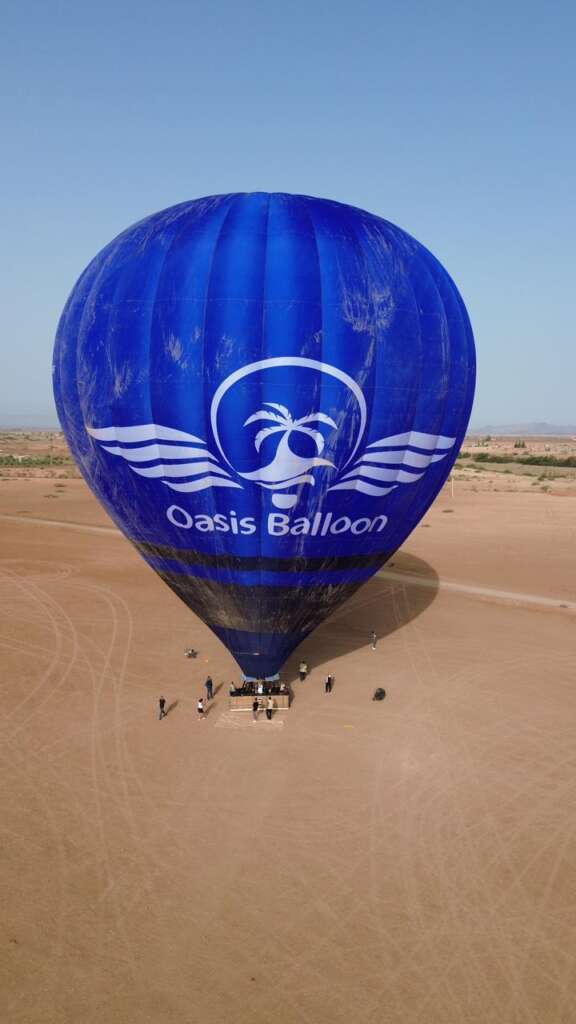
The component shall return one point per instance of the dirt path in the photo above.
(82, 527)
(470, 590)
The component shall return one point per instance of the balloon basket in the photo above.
(243, 697)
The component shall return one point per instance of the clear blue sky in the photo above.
(454, 120)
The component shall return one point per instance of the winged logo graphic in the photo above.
(183, 462)
(179, 460)
(391, 461)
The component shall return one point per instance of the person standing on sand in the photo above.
(302, 670)
(255, 706)
(162, 706)
(269, 708)
(373, 639)
(209, 688)
(200, 709)
(328, 684)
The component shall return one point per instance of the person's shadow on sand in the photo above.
(172, 707)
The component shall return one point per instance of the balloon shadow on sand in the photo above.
(384, 604)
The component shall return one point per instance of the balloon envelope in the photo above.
(266, 392)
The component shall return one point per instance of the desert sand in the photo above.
(379, 863)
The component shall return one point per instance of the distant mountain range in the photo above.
(529, 429)
(536, 429)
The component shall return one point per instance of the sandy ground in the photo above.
(409, 861)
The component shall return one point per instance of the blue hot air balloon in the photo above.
(266, 392)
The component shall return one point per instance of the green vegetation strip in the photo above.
(568, 462)
(35, 460)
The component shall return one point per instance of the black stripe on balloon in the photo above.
(326, 563)
(261, 609)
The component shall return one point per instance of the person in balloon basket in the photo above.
(162, 708)
(269, 708)
(200, 709)
(209, 688)
(303, 670)
(328, 683)
(255, 709)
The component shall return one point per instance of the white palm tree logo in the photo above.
(287, 468)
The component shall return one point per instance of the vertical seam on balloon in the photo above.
(400, 239)
(470, 354)
(180, 228)
(309, 210)
(424, 498)
(262, 495)
(145, 339)
(360, 245)
(114, 246)
(448, 285)
(438, 273)
(233, 200)
(95, 455)
(414, 271)
(310, 214)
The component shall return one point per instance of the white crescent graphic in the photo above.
(279, 361)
